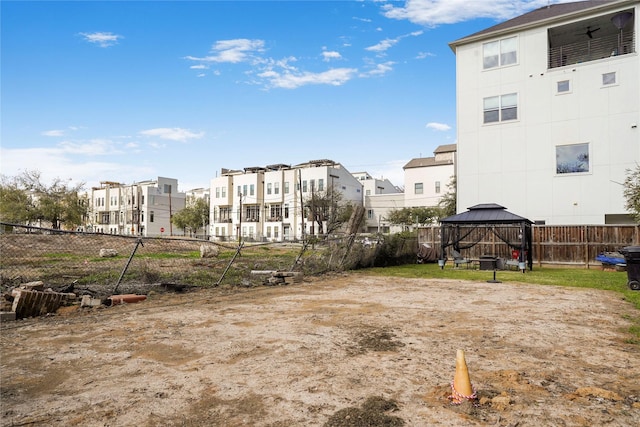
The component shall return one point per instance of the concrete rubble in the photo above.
(280, 277)
(108, 253)
(32, 300)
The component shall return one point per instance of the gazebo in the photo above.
(467, 229)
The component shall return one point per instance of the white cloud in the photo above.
(172, 134)
(438, 126)
(423, 55)
(289, 80)
(95, 147)
(53, 163)
(383, 45)
(54, 132)
(436, 12)
(380, 69)
(389, 43)
(102, 39)
(233, 51)
(199, 67)
(329, 55)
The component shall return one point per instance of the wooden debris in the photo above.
(29, 303)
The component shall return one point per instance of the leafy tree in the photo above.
(448, 204)
(57, 204)
(419, 215)
(194, 216)
(15, 204)
(632, 192)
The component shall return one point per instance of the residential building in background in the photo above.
(426, 179)
(548, 108)
(265, 203)
(139, 209)
(380, 197)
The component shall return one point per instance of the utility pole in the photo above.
(170, 214)
(240, 222)
(301, 204)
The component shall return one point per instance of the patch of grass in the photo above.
(202, 278)
(168, 255)
(573, 277)
(60, 255)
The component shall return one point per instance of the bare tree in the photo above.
(326, 209)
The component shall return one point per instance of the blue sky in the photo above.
(128, 91)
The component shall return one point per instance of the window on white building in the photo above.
(286, 187)
(572, 158)
(217, 195)
(252, 190)
(370, 214)
(269, 187)
(418, 188)
(151, 215)
(223, 191)
(321, 184)
(500, 53)
(609, 79)
(500, 108)
(276, 188)
(437, 187)
(563, 86)
(304, 186)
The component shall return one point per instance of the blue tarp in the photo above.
(611, 258)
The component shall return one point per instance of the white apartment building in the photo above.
(426, 179)
(380, 197)
(548, 108)
(140, 209)
(264, 203)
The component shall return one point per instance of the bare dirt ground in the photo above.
(350, 350)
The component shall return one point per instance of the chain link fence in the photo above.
(64, 260)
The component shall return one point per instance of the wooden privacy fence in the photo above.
(576, 245)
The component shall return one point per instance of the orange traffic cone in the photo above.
(461, 387)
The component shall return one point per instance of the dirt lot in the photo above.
(350, 350)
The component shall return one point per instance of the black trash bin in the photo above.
(632, 258)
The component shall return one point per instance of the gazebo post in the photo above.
(523, 238)
(441, 259)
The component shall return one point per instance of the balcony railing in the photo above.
(591, 49)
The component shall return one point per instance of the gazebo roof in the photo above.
(486, 213)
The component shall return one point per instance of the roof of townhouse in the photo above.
(423, 162)
(277, 167)
(448, 148)
(546, 13)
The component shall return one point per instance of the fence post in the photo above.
(138, 243)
